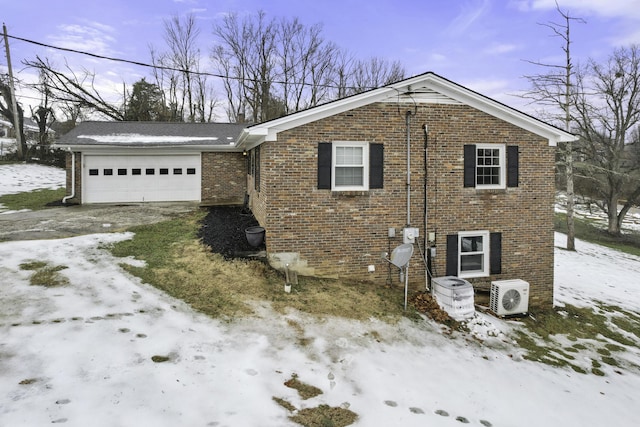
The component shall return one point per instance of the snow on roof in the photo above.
(136, 138)
(152, 134)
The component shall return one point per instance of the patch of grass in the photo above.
(284, 403)
(305, 391)
(179, 264)
(593, 334)
(589, 231)
(44, 274)
(33, 200)
(32, 265)
(324, 416)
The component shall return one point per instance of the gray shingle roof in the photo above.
(152, 134)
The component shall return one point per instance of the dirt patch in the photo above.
(223, 230)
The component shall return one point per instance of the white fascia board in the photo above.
(268, 131)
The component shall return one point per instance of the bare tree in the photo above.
(187, 92)
(306, 62)
(555, 89)
(7, 111)
(79, 89)
(373, 73)
(608, 113)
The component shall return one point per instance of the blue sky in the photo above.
(481, 44)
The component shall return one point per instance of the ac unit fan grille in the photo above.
(511, 299)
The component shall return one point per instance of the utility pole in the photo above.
(14, 104)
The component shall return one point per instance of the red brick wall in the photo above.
(223, 178)
(339, 235)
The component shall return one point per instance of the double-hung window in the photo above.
(491, 166)
(473, 252)
(350, 166)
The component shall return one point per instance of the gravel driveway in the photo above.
(77, 220)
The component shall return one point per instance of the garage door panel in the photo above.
(112, 179)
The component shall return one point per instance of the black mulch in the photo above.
(223, 230)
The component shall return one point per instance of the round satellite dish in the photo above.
(401, 255)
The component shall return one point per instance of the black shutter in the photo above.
(495, 253)
(452, 255)
(512, 165)
(324, 165)
(469, 165)
(376, 166)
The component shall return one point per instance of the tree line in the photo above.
(268, 67)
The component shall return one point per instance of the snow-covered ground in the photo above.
(81, 354)
(21, 177)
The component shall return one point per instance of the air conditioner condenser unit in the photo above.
(509, 297)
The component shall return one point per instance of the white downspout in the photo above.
(73, 178)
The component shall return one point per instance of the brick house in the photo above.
(334, 186)
(475, 177)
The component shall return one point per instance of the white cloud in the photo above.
(470, 13)
(90, 37)
(606, 8)
(498, 49)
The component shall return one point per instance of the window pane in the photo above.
(177, 171)
(93, 171)
(136, 171)
(122, 171)
(349, 176)
(191, 171)
(164, 171)
(107, 172)
(471, 262)
(150, 171)
(471, 244)
(349, 155)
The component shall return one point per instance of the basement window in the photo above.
(473, 250)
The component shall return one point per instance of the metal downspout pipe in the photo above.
(73, 178)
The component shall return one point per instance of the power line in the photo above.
(109, 58)
(162, 67)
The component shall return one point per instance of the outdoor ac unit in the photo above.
(509, 297)
(454, 295)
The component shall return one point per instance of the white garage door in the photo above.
(134, 178)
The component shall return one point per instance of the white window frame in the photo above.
(485, 252)
(503, 166)
(365, 166)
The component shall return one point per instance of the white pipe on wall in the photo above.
(73, 178)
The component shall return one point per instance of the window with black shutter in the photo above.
(348, 166)
(491, 166)
(474, 254)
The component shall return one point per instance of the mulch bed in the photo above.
(223, 230)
